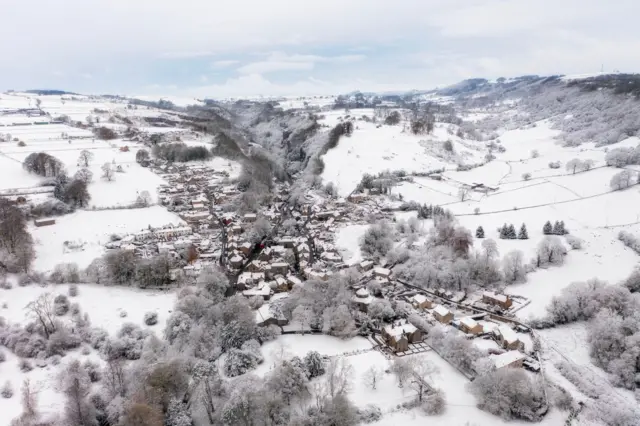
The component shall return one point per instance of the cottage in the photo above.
(170, 233)
(470, 326)
(398, 336)
(442, 314)
(511, 359)
(44, 222)
(293, 281)
(365, 265)
(501, 300)
(198, 205)
(383, 273)
(362, 299)
(266, 316)
(507, 338)
(164, 248)
(248, 279)
(287, 242)
(420, 301)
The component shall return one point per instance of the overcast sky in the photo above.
(289, 47)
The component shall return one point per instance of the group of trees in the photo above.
(577, 165)
(122, 267)
(16, 244)
(623, 156)
(623, 180)
(180, 152)
(43, 164)
(377, 240)
(509, 232)
(557, 228)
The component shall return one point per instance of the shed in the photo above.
(507, 338)
(420, 301)
(44, 222)
(512, 359)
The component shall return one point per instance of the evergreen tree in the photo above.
(547, 229)
(561, 230)
(523, 234)
(556, 228)
(503, 231)
(479, 232)
(511, 232)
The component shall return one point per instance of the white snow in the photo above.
(348, 243)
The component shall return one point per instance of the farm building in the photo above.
(44, 222)
(383, 273)
(362, 299)
(500, 300)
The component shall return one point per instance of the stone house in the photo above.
(399, 335)
(420, 301)
(501, 300)
(470, 326)
(442, 314)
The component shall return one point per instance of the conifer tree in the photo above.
(511, 232)
(561, 230)
(480, 232)
(556, 228)
(503, 231)
(547, 229)
(523, 234)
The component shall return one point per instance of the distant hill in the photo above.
(49, 92)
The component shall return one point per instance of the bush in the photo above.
(61, 305)
(3, 356)
(22, 144)
(526, 176)
(369, 414)
(65, 273)
(573, 241)
(62, 341)
(52, 207)
(433, 404)
(510, 394)
(93, 371)
(73, 290)
(105, 133)
(151, 318)
(7, 390)
(239, 362)
(555, 165)
(25, 366)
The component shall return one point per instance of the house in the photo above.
(236, 261)
(169, 233)
(245, 248)
(266, 316)
(383, 273)
(197, 205)
(362, 299)
(501, 300)
(365, 265)
(164, 248)
(255, 266)
(357, 198)
(287, 242)
(507, 338)
(250, 217)
(511, 359)
(263, 290)
(249, 279)
(281, 283)
(442, 314)
(470, 326)
(293, 281)
(280, 268)
(399, 335)
(420, 301)
(44, 222)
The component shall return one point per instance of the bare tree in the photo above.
(75, 384)
(372, 376)
(338, 376)
(144, 199)
(513, 266)
(587, 165)
(621, 180)
(421, 371)
(115, 378)
(574, 165)
(29, 399)
(302, 315)
(463, 193)
(85, 158)
(402, 368)
(43, 312)
(107, 172)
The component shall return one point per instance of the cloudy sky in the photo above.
(220, 48)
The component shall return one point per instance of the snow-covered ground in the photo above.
(93, 228)
(348, 242)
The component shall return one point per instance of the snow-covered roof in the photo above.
(508, 334)
(499, 297)
(398, 330)
(419, 298)
(507, 358)
(441, 310)
(382, 271)
(236, 258)
(469, 322)
(263, 313)
(363, 292)
(261, 290)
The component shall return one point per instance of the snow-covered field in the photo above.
(93, 228)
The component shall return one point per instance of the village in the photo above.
(268, 252)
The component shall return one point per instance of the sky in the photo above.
(240, 48)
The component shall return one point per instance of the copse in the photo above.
(179, 152)
(43, 164)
